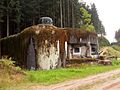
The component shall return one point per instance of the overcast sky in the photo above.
(109, 14)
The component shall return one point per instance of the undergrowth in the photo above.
(10, 75)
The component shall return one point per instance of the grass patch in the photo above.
(12, 81)
(116, 47)
(59, 75)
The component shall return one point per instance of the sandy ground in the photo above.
(104, 81)
(109, 85)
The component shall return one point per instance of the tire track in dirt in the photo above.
(110, 85)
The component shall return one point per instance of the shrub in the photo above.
(103, 41)
(10, 75)
(115, 62)
(116, 47)
(8, 66)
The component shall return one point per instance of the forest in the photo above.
(15, 15)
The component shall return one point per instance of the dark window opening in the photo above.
(76, 50)
(93, 49)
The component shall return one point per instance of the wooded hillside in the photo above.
(15, 15)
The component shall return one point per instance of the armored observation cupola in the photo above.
(45, 20)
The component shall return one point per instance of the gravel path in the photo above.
(104, 81)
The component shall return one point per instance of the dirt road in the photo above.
(104, 81)
(109, 85)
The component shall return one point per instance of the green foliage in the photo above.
(24, 13)
(86, 20)
(113, 52)
(9, 14)
(8, 66)
(9, 73)
(103, 41)
(85, 15)
(90, 27)
(116, 47)
(1, 10)
(115, 62)
(7, 63)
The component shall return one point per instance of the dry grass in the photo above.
(109, 51)
(10, 75)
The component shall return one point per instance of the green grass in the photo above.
(47, 77)
(116, 47)
(59, 75)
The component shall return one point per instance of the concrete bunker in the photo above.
(45, 46)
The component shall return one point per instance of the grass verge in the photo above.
(59, 75)
(11, 81)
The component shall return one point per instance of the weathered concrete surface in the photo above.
(47, 58)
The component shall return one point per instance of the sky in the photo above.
(109, 14)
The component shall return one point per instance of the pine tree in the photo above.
(99, 28)
(1, 14)
(10, 9)
(1, 10)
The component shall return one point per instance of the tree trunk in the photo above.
(18, 27)
(73, 24)
(64, 13)
(68, 13)
(61, 16)
(33, 21)
(7, 24)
